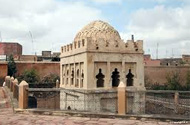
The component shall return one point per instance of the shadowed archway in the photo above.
(100, 79)
(115, 78)
(129, 77)
(32, 102)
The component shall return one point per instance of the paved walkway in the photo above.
(7, 117)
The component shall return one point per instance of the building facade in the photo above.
(99, 58)
(151, 62)
(93, 66)
(10, 48)
(186, 59)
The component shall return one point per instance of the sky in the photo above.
(49, 24)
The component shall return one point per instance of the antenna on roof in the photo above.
(1, 38)
(172, 53)
(52, 47)
(32, 41)
(157, 51)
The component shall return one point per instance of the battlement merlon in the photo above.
(101, 44)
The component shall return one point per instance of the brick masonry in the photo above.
(157, 74)
(43, 68)
(10, 48)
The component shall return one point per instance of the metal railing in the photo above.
(169, 103)
(148, 102)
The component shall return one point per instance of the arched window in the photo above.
(129, 77)
(72, 77)
(67, 81)
(115, 78)
(100, 79)
(82, 79)
(75, 45)
(62, 49)
(83, 42)
(78, 44)
(77, 79)
(107, 43)
(67, 72)
(77, 73)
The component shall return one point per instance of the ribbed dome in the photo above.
(96, 30)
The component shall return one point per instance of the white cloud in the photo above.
(107, 1)
(52, 23)
(167, 26)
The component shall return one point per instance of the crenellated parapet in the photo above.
(75, 47)
(102, 45)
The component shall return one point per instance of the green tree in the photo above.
(188, 80)
(51, 78)
(11, 66)
(174, 81)
(30, 76)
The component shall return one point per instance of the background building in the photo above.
(186, 59)
(7, 49)
(151, 62)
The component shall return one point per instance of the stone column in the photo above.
(11, 84)
(74, 79)
(23, 95)
(57, 83)
(15, 83)
(7, 81)
(108, 77)
(176, 100)
(69, 76)
(63, 77)
(123, 71)
(121, 95)
(79, 84)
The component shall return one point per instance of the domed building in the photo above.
(99, 58)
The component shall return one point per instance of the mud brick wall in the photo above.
(43, 68)
(157, 74)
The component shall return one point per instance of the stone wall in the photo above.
(3, 72)
(89, 100)
(43, 68)
(46, 99)
(157, 74)
(49, 103)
